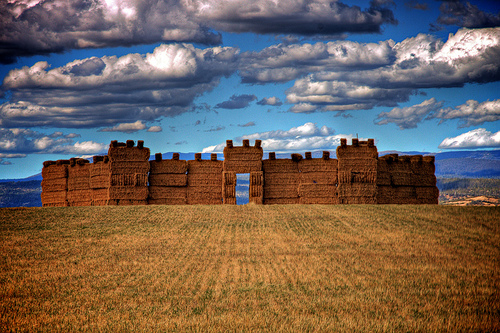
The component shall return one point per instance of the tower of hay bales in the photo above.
(318, 180)
(129, 169)
(168, 181)
(100, 180)
(406, 180)
(79, 191)
(281, 180)
(243, 159)
(55, 183)
(204, 181)
(357, 172)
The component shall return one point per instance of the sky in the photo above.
(186, 75)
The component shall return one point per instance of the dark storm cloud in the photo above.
(105, 92)
(463, 14)
(237, 102)
(306, 17)
(44, 27)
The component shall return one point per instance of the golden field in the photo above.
(250, 269)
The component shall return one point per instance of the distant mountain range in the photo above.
(457, 164)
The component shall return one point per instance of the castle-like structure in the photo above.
(126, 176)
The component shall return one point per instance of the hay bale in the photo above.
(120, 153)
(167, 179)
(171, 201)
(242, 166)
(280, 166)
(168, 166)
(256, 190)
(99, 169)
(283, 191)
(204, 196)
(329, 178)
(319, 201)
(100, 197)
(128, 192)
(206, 180)
(229, 187)
(99, 182)
(54, 185)
(318, 165)
(281, 201)
(133, 180)
(177, 194)
(129, 167)
(53, 171)
(317, 191)
(54, 199)
(205, 167)
(282, 179)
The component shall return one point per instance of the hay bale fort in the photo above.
(126, 176)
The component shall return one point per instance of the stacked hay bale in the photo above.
(55, 183)
(100, 180)
(79, 192)
(168, 181)
(406, 180)
(281, 180)
(204, 181)
(357, 172)
(229, 187)
(129, 168)
(243, 159)
(318, 180)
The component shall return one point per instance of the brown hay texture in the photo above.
(55, 183)
(229, 187)
(79, 191)
(126, 177)
(243, 159)
(129, 171)
(357, 173)
(168, 181)
(256, 190)
(318, 180)
(406, 180)
(204, 182)
(281, 180)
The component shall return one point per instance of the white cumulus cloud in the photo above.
(478, 138)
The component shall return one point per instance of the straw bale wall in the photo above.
(79, 191)
(357, 175)
(318, 180)
(204, 180)
(126, 177)
(281, 180)
(229, 187)
(406, 180)
(55, 183)
(243, 159)
(256, 188)
(167, 181)
(129, 171)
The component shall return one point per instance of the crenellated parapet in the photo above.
(126, 176)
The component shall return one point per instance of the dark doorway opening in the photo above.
(242, 188)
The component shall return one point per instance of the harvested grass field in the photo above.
(250, 268)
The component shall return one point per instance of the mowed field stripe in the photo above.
(308, 268)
